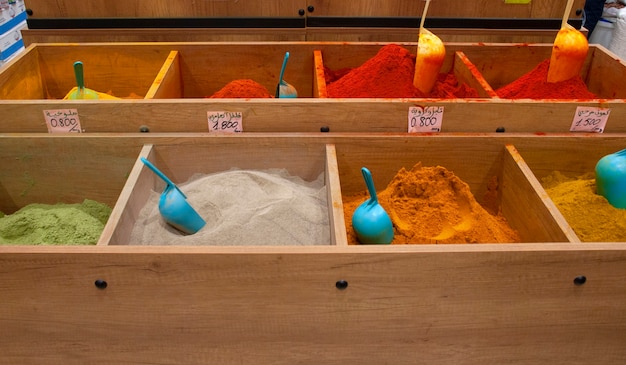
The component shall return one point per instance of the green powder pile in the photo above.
(590, 215)
(55, 224)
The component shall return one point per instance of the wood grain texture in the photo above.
(465, 72)
(131, 200)
(25, 84)
(338, 226)
(168, 83)
(32, 36)
(311, 34)
(188, 305)
(448, 8)
(339, 115)
(164, 8)
(290, 8)
(522, 197)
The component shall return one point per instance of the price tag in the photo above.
(62, 121)
(425, 119)
(225, 122)
(590, 119)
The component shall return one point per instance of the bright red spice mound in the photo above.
(535, 85)
(389, 74)
(244, 88)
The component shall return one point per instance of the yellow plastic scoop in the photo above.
(80, 91)
(430, 56)
(568, 52)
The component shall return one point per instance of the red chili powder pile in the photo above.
(389, 74)
(244, 88)
(535, 85)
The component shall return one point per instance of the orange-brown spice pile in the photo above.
(433, 205)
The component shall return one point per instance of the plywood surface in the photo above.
(163, 8)
(193, 306)
(224, 8)
(311, 34)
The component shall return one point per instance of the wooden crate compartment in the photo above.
(199, 72)
(602, 70)
(48, 73)
(517, 189)
(180, 163)
(53, 171)
(66, 170)
(574, 162)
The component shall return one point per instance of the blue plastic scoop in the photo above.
(611, 178)
(174, 207)
(283, 89)
(370, 221)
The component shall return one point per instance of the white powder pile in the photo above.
(244, 207)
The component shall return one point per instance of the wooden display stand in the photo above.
(170, 75)
(549, 299)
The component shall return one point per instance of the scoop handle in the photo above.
(282, 69)
(369, 182)
(160, 174)
(79, 74)
(423, 19)
(282, 73)
(568, 9)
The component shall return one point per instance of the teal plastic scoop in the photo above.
(370, 221)
(611, 178)
(174, 207)
(283, 89)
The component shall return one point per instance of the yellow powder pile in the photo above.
(432, 205)
(590, 215)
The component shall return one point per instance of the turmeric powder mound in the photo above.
(590, 215)
(432, 205)
(244, 88)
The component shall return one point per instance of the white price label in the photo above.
(225, 122)
(425, 119)
(62, 121)
(590, 119)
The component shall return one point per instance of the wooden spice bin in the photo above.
(176, 77)
(556, 302)
(182, 162)
(48, 73)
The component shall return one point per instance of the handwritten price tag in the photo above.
(62, 121)
(590, 119)
(425, 119)
(225, 122)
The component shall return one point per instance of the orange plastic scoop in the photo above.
(568, 52)
(430, 55)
